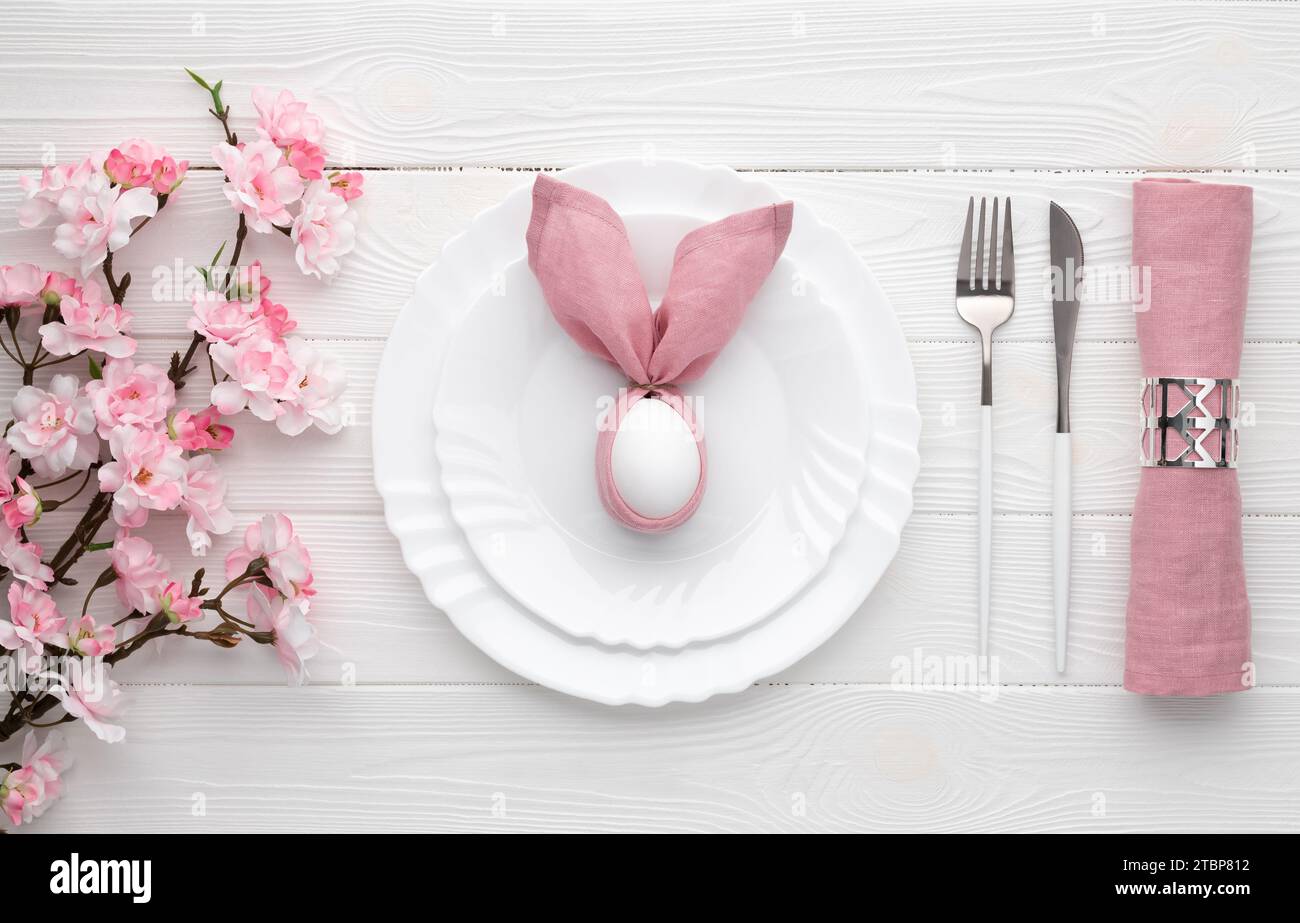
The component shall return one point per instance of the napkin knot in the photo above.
(579, 250)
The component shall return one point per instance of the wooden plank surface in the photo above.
(790, 759)
(376, 625)
(756, 83)
(360, 307)
(906, 226)
(314, 471)
(882, 118)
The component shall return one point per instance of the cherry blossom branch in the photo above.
(97, 513)
(51, 505)
(155, 447)
(116, 288)
(220, 110)
(180, 366)
(83, 533)
(22, 714)
(16, 721)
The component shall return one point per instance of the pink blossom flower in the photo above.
(166, 174)
(89, 639)
(20, 285)
(324, 230)
(44, 195)
(288, 563)
(97, 219)
(141, 572)
(295, 636)
(54, 429)
(140, 163)
(90, 694)
(275, 319)
(23, 508)
(23, 559)
(20, 793)
(178, 607)
(222, 320)
(88, 323)
(284, 120)
(147, 473)
(28, 791)
(201, 430)
(274, 316)
(318, 390)
(59, 286)
(203, 498)
(307, 158)
(261, 374)
(131, 163)
(251, 282)
(348, 185)
(34, 619)
(49, 759)
(130, 395)
(10, 465)
(259, 184)
(250, 310)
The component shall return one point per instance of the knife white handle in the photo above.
(1062, 514)
(985, 527)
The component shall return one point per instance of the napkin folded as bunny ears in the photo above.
(579, 250)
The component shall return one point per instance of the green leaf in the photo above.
(96, 370)
(222, 110)
(199, 80)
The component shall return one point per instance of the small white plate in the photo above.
(437, 551)
(784, 412)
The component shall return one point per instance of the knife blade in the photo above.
(1066, 248)
(1067, 267)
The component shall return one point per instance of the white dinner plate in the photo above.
(784, 412)
(437, 551)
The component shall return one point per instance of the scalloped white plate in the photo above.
(437, 551)
(784, 411)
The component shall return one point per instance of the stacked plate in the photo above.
(812, 427)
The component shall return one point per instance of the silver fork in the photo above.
(986, 303)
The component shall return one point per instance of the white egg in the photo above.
(655, 460)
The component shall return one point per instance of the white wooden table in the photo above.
(882, 120)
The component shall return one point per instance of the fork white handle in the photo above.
(985, 526)
(1062, 512)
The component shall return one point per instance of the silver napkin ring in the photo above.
(1179, 428)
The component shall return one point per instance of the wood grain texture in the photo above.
(788, 759)
(910, 247)
(314, 471)
(410, 727)
(756, 83)
(906, 226)
(377, 626)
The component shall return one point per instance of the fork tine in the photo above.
(993, 246)
(963, 262)
(1008, 253)
(979, 250)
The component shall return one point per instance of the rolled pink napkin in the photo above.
(1188, 622)
(579, 251)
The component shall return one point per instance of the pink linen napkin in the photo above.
(579, 251)
(1188, 624)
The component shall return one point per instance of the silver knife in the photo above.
(1067, 269)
